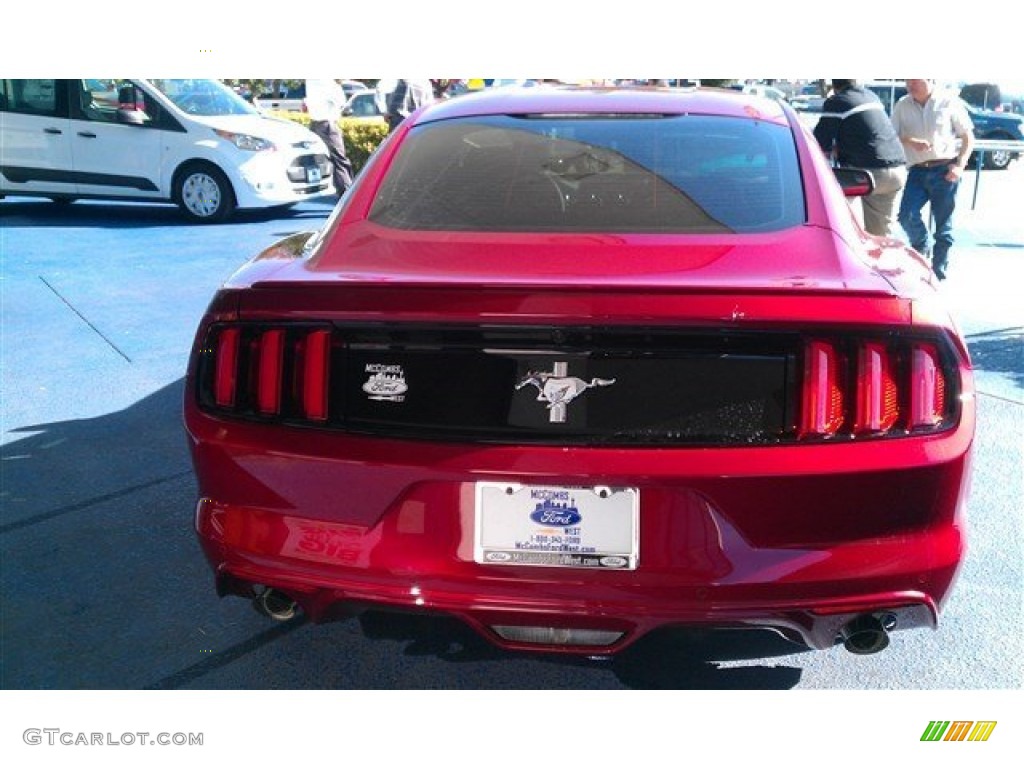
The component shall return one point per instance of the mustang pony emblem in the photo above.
(558, 389)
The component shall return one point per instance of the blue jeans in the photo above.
(929, 185)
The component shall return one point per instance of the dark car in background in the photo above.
(989, 123)
(576, 365)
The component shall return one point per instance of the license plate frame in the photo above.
(313, 175)
(555, 526)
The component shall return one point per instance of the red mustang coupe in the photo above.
(574, 365)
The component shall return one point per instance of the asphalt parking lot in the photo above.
(104, 586)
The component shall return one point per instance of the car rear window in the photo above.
(641, 174)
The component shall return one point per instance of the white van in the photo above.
(189, 141)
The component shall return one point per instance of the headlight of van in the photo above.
(245, 141)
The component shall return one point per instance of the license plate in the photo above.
(313, 175)
(554, 526)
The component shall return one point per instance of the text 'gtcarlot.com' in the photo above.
(55, 736)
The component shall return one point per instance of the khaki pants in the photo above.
(879, 205)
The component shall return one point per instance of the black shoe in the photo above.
(939, 270)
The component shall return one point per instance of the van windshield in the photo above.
(207, 98)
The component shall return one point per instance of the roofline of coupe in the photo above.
(590, 100)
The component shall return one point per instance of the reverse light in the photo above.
(566, 636)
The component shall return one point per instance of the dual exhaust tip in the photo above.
(863, 635)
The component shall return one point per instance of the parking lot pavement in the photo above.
(116, 290)
(99, 306)
(103, 583)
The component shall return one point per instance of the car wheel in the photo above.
(204, 193)
(998, 160)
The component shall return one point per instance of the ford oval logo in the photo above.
(550, 512)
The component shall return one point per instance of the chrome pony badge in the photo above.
(386, 382)
(558, 389)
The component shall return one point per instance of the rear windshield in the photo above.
(641, 174)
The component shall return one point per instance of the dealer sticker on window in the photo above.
(556, 526)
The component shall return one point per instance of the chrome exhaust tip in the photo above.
(276, 605)
(866, 634)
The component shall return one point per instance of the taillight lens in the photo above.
(268, 389)
(878, 402)
(896, 386)
(256, 370)
(928, 388)
(315, 374)
(823, 401)
(226, 367)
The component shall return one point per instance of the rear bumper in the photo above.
(799, 539)
(815, 623)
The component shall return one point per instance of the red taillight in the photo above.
(928, 388)
(225, 376)
(878, 405)
(822, 411)
(269, 372)
(268, 389)
(315, 375)
(893, 387)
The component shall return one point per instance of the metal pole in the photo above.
(980, 161)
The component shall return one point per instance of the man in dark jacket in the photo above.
(855, 131)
